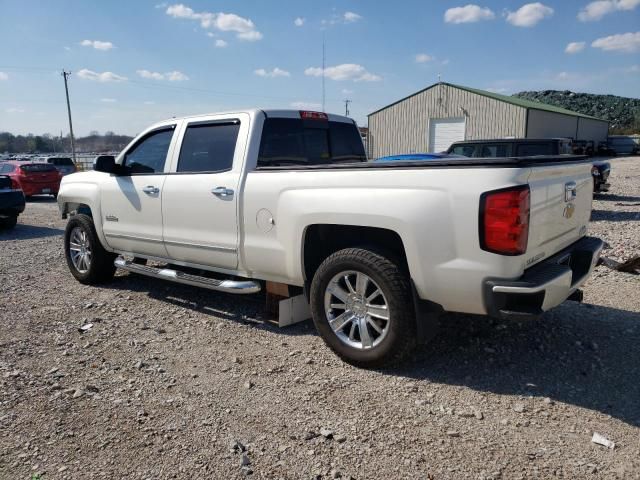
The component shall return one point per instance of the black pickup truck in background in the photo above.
(11, 203)
(528, 147)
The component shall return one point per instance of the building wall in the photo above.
(404, 127)
(596, 130)
(543, 124)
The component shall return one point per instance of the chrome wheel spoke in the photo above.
(338, 292)
(375, 325)
(365, 337)
(376, 293)
(362, 281)
(348, 283)
(80, 249)
(378, 311)
(338, 306)
(340, 321)
(352, 332)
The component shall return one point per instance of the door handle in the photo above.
(151, 190)
(222, 192)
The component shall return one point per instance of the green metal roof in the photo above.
(520, 102)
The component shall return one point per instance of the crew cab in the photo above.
(228, 201)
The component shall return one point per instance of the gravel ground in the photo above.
(174, 382)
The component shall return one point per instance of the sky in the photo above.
(134, 63)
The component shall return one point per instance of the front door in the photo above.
(131, 200)
(200, 199)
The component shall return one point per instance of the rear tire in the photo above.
(87, 259)
(7, 223)
(362, 307)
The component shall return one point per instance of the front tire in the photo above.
(87, 259)
(362, 306)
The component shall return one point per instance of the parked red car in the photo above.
(32, 178)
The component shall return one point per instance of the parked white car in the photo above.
(380, 249)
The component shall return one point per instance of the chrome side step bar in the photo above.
(228, 286)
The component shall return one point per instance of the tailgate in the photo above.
(561, 197)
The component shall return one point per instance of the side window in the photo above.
(534, 149)
(208, 147)
(464, 150)
(494, 151)
(150, 154)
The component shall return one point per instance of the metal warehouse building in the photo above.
(432, 119)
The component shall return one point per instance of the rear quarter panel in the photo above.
(434, 211)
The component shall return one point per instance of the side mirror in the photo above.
(105, 163)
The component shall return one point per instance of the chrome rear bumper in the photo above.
(544, 285)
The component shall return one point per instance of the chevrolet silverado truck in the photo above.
(229, 201)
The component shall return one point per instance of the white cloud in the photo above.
(100, 77)
(423, 58)
(468, 14)
(68, 49)
(306, 105)
(161, 5)
(529, 15)
(4, 76)
(499, 90)
(149, 102)
(276, 72)
(298, 22)
(344, 18)
(563, 76)
(244, 28)
(622, 42)
(346, 91)
(632, 69)
(174, 76)
(220, 43)
(97, 44)
(14, 110)
(598, 9)
(108, 100)
(350, 17)
(345, 71)
(574, 47)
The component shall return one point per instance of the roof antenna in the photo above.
(439, 79)
(323, 71)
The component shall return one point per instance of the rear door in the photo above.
(131, 202)
(200, 196)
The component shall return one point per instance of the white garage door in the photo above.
(443, 132)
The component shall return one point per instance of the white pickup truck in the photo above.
(228, 201)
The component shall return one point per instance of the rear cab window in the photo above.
(308, 142)
(60, 162)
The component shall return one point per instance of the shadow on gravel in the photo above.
(247, 309)
(28, 232)
(612, 216)
(615, 198)
(584, 355)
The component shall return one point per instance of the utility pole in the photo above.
(65, 75)
(346, 107)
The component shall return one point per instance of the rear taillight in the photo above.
(504, 220)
